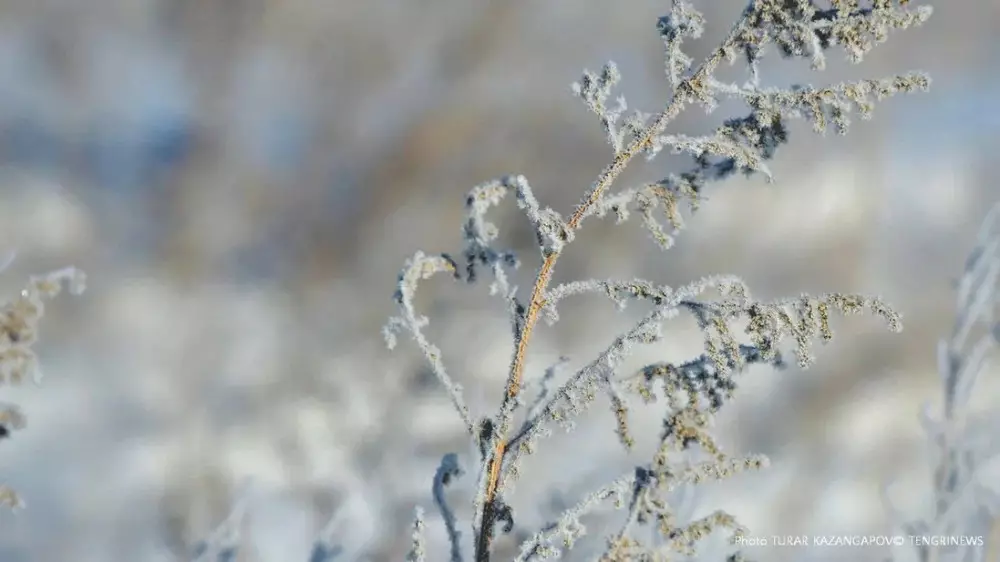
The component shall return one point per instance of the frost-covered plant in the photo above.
(694, 390)
(966, 451)
(19, 318)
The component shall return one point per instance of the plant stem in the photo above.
(604, 181)
(608, 175)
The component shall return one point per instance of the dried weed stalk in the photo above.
(696, 389)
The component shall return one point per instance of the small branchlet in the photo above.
(801, 29)
(594, 90)
(448, 471)
(681, 23)
(418, 268)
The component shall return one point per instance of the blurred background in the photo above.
(243, 179)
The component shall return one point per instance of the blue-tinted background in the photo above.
(242, 180)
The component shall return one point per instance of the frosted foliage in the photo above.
(690, 393)
(738, 329)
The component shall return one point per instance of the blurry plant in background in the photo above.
(19, 318)
(963, 441)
